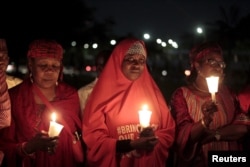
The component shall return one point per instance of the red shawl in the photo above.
(26, 120)
(111, 114)
(4, 102)
(244, 96)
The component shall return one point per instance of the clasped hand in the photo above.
(208, 109)
(146, 141)
(42, 142)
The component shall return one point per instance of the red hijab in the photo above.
(112, 83)
(114, 102)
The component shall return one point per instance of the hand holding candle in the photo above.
(144, 116)
(212, 83)
(54, 128)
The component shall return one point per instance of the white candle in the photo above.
(144, 116)
(212, 83)
(54, 128)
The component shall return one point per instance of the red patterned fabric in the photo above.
(4, 95)
(111, 114)
(45, 48)
(5, 115)
(186, 106)
(200, 51)
(29, 117)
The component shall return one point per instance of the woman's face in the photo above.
(133, 66)
(45, 71)
(212, 64)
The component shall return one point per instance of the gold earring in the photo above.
(31, 78)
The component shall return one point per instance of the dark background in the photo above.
(90, 21)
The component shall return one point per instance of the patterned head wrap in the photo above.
(45, 48)
(137, 48)
(200, 51)
(3, 45)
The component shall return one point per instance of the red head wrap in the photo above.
(200, 51)
(45, 48)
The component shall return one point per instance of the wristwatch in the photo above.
(217, 135)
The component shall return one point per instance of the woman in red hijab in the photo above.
(111, 127)
(26, 142)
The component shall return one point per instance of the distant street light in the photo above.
(199, 30)
(158, 40)
(73, 43)
(113, 42)
(94, 45)
(163, 44)
(146, 36)
(201, 33)
(86, 46)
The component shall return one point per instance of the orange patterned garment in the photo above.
(187, 109)
(4, 102)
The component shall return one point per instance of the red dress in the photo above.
(29, 117)
(186, 107)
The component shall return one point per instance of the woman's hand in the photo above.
(41, 142)
(147, 132)
(144, 143)
(208, 109)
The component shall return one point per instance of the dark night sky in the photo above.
(23, 21)
(162, 18)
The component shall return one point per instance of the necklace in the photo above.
(201, 90)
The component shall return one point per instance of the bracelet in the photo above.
(23, 150)
(203, 123)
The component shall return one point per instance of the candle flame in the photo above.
(53, 117)
(145, 107)
(212, 83)
(144, 116)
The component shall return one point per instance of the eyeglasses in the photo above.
(214, 63)
(132, 60)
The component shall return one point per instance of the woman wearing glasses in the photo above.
(202, 124)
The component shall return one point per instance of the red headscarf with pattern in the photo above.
(45, 48)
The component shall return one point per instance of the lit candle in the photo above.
(212, 83)
(144, 116)
(54, 128)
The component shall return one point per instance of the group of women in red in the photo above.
(109, 129)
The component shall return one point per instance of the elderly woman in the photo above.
(202, 124)
(27, 142)
(112, 131)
